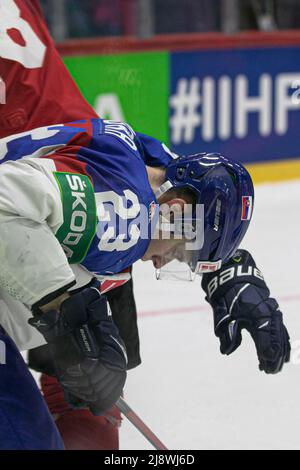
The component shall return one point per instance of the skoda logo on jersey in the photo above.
(119, 220)
(79, 211)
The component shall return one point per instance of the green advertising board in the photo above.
(133, 87)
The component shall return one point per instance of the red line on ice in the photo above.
(200, 308)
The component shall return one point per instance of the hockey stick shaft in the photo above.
(140, 425)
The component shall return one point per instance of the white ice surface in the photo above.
(185, 390)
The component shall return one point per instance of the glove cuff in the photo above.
(241, 269)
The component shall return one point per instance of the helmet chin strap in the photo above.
(163, 189)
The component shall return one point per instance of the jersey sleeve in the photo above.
(33, 264)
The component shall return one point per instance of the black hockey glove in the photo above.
(240, 299)
(88, 353)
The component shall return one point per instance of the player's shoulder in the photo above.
(116, 144)
(120, 133)
(102, 135)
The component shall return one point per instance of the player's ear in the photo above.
(176, 205)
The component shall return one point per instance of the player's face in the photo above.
(161, 252)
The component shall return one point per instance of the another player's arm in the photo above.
(241, 299)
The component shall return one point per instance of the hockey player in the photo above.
(86, 191)
(238, 301)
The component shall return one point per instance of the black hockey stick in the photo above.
(140, 425)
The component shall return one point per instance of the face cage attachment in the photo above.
(181, 271)
(181, 262)
(189, 266)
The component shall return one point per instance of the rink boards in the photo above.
(237, 95)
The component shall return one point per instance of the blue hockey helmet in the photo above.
(225, 189)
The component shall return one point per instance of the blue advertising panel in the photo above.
(244, 103)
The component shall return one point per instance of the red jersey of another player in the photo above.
(35, 87)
